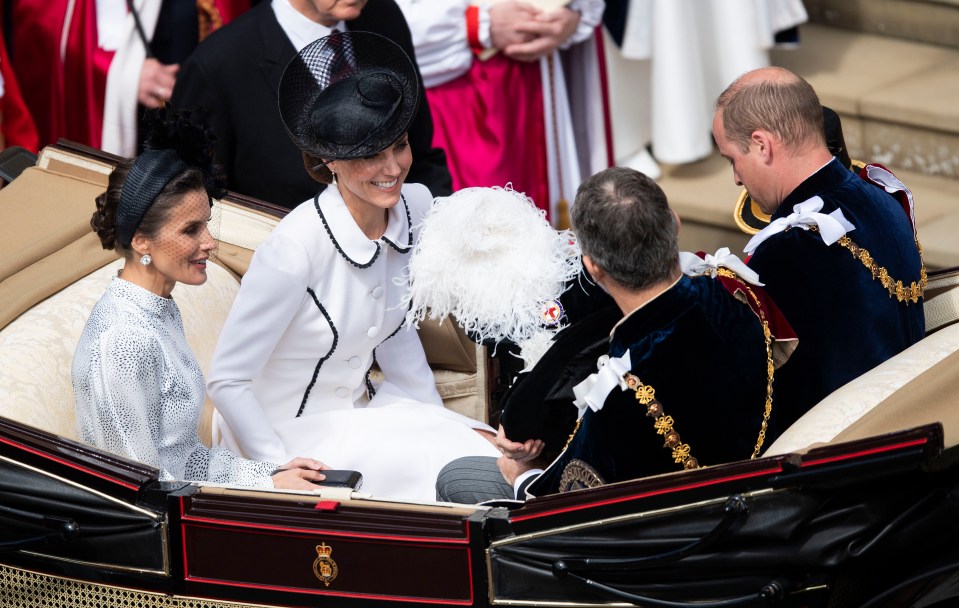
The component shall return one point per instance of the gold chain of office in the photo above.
(664, 424)
(897, 289)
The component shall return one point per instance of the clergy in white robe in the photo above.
(676, 57)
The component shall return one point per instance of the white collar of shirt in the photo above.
(349, 239)
(298, 28)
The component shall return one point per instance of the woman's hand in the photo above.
(299, 474)
(520, 452)
(156, 83)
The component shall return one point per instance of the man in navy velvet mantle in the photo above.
(840, 256)
(695, 345)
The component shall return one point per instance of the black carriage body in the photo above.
(83, 528)
(838, 526)
(835, 527)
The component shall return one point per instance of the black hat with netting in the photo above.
(175, 141)
(348, 95)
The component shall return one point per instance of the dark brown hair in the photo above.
(624, 224)
(317, 169)
(103, 220)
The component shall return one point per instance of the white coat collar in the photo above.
(350, 241)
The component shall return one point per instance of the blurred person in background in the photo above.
(517, 93)
(86, 67)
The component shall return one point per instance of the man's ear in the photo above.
(679, 222)
(762, 142)
(594, 271)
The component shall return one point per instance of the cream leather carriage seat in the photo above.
(917, 386)
(53, 270)
(36, 350)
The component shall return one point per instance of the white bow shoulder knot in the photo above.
(592, 391)
(805, 215)
(693, 265)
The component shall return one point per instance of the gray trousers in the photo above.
(471, 480)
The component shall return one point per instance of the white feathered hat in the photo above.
(488, 258)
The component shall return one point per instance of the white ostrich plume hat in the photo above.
(488, 258)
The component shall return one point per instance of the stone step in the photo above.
(703, 194)
(929, 21)
(899, 103)
(899, 100)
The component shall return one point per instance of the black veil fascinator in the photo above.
(348, 95)
(176, 141)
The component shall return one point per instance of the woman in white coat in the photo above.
(322, 299)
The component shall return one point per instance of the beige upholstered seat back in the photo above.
(53, 270)
(36, 350)
(915, 387)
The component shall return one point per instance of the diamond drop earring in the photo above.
(145, 259)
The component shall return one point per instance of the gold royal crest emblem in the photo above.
(324, 567)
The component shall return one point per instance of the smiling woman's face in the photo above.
(182, 246)
(374, 181)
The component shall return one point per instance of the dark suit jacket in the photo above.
(235, 74)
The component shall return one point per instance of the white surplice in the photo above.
(677, 57)
(574, 109)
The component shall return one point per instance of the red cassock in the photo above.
(16, 124)
(487, 132)
(540, 126)
(61, 68)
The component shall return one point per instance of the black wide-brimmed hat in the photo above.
(747, 214)
(348, 95)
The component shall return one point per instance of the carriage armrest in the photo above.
(916, 386)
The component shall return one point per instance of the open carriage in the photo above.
(867, 518)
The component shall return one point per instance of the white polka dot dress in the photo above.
(139, 389)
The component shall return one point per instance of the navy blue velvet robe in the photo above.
(845, 319)
(704, 353)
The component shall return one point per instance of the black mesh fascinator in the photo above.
(174, 143)
(348, 95)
